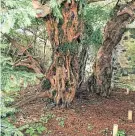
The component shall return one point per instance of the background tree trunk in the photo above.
(100, 81)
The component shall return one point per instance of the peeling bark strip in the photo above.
(100, 81)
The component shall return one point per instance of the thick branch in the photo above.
(20, 48)
(30, 62)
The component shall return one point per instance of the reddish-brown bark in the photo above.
(100, 81)
(63, 73)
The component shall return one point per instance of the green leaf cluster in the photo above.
(35, 129)
(56, 9)
(96, 37)
(94, 17)
(71, 47)
(16, 14)
(121, 133)
(7, 129)
(47, 117)
(61, 121)
(11, 82)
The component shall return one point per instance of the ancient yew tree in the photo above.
(100, 81)
(64, 26)
(63, 72)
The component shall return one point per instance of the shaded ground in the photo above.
(88, 116)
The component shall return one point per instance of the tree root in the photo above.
(32, 97)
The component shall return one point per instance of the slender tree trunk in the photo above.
(100, 81)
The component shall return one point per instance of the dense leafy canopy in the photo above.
(15, 14)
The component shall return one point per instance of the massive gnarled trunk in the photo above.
(100, 81)
(63, 72)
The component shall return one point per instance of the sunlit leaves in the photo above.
(96, 15)
(56, 9)
(15, 14)
(94, 18)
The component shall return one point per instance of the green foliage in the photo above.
(46, 84)
(56, 9)
(121, 133)
(35, 129)
(61, 121)
(126, 85)
(7, 129)
(11, 81)
(38, 128)
(47, 117)
(96, 37)
(71, 47)
(92, 37)
(15, 14)
(94, 17)
(3, 109)
(82, 5)
(30, 131)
